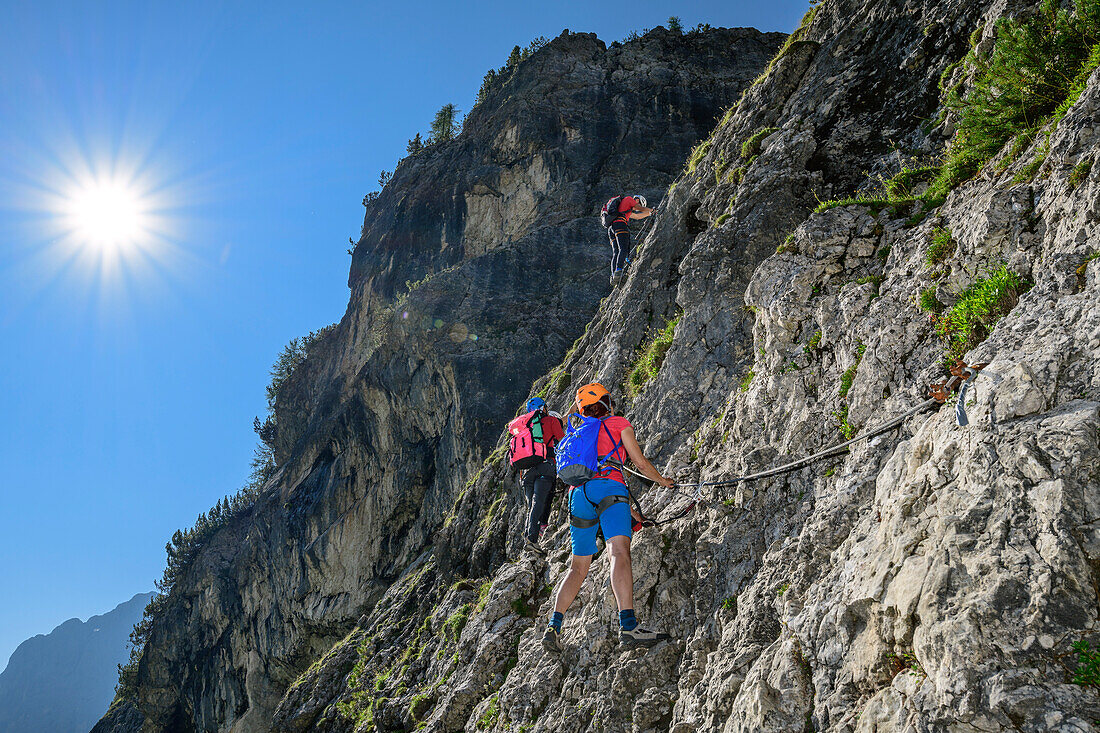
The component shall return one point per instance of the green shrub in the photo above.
(489, 718)
(971, 319)
(1080, 173)
(1036, 70)
(722, 219)
(752, 147)
(902, 184)
(815, 341)
(942, 247)
(929, 303)
(1088, 665)
(650, 358)
(800, 31)
(747, 380)
(846, 428)
(697, 155)
(456, 622)
(849, 375)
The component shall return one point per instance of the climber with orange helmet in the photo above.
(602, 501)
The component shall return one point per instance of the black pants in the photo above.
(538, 489)
(619, 234)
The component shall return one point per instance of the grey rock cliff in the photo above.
(479, 264)
(930, 580)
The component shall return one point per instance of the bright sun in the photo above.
(108, 215)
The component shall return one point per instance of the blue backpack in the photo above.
(576, 455)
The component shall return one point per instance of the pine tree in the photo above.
(515, 57)
(445, 126)
(675, 25)
(415, 145)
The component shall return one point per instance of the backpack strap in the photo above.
(615, 446)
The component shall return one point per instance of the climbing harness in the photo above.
(962, 378)
(605, 503)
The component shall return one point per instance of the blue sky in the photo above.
(128, 383)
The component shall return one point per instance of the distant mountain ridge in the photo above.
(62, 682)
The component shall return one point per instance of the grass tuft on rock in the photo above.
(697, 155)
(972, 318)
(1080, 173)
(929, 303)
(849, 375)
(746, 381)
(752, 147)
(650, 357)
(942, 247)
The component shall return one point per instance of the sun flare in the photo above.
(107, 214)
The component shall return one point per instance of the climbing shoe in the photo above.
(616, 278)
(534, 547)
(550, 640)
(638, 637)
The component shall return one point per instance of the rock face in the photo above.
(62, 682)
(480, 263)
(931, 579)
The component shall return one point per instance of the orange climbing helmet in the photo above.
(592, 393)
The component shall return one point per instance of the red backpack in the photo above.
(524, 450)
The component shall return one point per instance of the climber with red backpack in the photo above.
(532, 437)
(590, 459)
(615, 217)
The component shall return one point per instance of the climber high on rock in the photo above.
(589, 459)
(615, 216)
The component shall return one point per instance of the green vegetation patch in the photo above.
(697, 155)
(903, 184)
(650, 357)
(482, 596)
(972, 318)
(929, 303)
(943, 246)
(747, 380)
(754, 145)
(796, 36)
(456, 622)
(849, 375)
(1037, 70)
(846, 428)
(1087, 673)
(1080, 173)
(489, 718)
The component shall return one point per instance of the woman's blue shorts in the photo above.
(615, 521)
